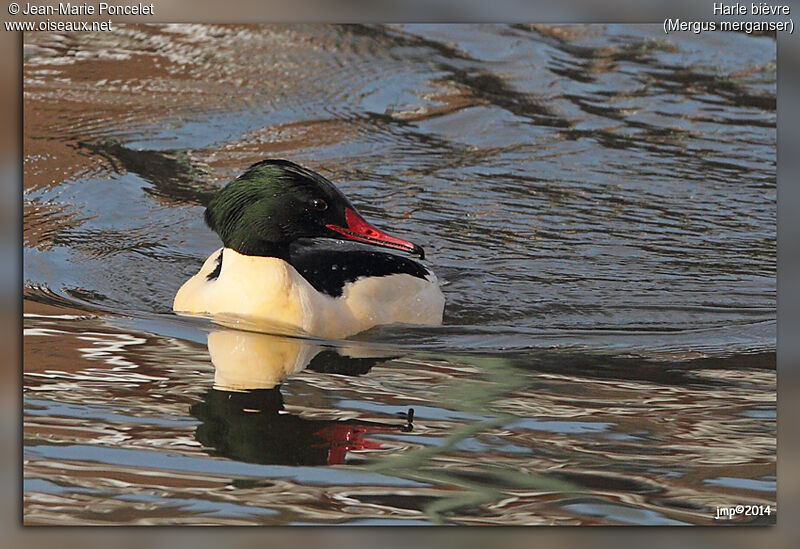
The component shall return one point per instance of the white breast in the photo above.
(270, 289)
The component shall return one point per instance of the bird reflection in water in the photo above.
(243, 416)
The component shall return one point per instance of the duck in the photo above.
(271, 268)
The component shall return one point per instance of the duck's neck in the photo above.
(262, 248)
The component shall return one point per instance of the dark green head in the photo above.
(275, 202)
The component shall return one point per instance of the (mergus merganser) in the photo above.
(262, 272)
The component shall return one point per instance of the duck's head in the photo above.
(275, 202)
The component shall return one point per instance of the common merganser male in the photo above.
(263, 272)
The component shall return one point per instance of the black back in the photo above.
(329, 270)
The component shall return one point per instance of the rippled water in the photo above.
(600, 201)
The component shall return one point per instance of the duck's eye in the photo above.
(319, 204)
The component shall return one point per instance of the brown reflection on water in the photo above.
(163, 72)
(490, 444)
